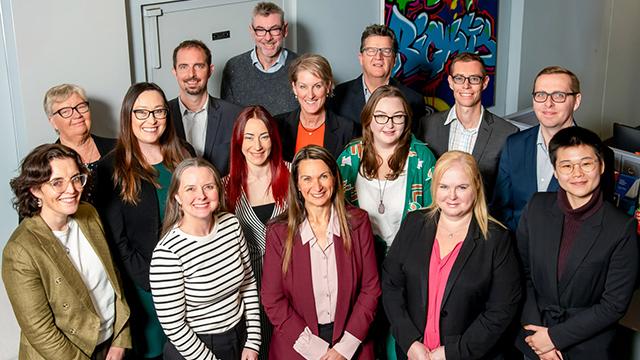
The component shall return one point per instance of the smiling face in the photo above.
(149, 130)
(311, 91)
(377, 66)
(57, 206)
(466, 94)
(256, 143)
(579, 184)
(197, 194)
(388, 134)
(269, 45)
(455, 194)
(76, 125)
(192, 71)
(555, 115)
(315, 182)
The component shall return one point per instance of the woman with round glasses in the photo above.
(67, 108)
(134, 180)
(56, 267)
(579, 255)
(312, 123)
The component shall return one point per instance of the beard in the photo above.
(199, 90)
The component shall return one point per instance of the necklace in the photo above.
(311, 131)
(381, 189)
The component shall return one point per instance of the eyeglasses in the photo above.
(60, 185)
(397, 119)
(373, 51)
(557, 97)
(567, 167)
(473, 79)
(66, 112)
(260, 32)
(142, 114)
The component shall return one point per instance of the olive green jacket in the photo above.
(51, 303)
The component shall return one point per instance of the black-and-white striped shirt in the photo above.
(204, 285)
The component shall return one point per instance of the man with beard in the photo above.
(259, 76)
(200, 119)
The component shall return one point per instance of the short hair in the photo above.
(379, 30)
(192, 44)
(575, 136)
(467, 57)
(35, 170)
(316, 64)
(550, 70)
(266, 9)
(60, 93)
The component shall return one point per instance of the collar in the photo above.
(276, 65)
(452, 116)
(306, 233)
(367, 93)
(540, 139)
(583, 212)
(184, 110)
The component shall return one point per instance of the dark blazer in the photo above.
(132, 230)
(348, 101)
(492, 134)
(221, 116)
(517, 177)
(582, 308)
(338, 132)
(481, 296)
(288, 299)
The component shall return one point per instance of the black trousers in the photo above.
(227, 345)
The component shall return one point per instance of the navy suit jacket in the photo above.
(221, 116)
(517, 174)
(348, 101)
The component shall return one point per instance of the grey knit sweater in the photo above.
(244, 84)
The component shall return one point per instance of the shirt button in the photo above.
(58, 280)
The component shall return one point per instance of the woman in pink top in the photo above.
(320, 284)
(450, 282)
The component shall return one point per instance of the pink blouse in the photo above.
(439, 270)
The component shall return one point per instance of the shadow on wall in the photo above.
(102, 121)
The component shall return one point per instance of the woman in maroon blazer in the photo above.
(320, 284)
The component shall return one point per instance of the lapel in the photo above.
(357, 91)
(59, 258)
(585, 239)
(439, 142)
(484, 134)
(468, 244)
(301, 280)
(344, 265)
(331, 133)
(214, 120)
(176, 117)
(428, 233)
(529, 168)
(547, 255)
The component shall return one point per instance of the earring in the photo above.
(39, 202)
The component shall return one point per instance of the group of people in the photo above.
(350, 225)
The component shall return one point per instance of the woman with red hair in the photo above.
(257, 186)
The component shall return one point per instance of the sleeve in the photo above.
(167, 287)
(287, 323)
(28, 298)
(501, 306)
(502, 203)
(249, 295)
(226, 91)
(618, 289)
(429, 166)
(394, 284)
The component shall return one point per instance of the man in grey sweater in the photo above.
(259, 76)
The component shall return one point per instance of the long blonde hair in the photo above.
(470, 168)
(297, 212)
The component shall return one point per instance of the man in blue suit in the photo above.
(525, 167)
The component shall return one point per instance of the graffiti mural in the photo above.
(431, 32)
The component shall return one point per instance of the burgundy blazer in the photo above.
(288, 299)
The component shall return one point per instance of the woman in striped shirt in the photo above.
(201, 279)
(257, 186)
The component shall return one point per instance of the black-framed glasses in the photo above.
(586, 165)
(373, 51)
(66, 112)
(143, 114)
(60, 185)
(556, 96)
(472, 79)
(397, 119)
(274, 31)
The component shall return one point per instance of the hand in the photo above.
(418, 351)
(539, 342)
(115, 353)
(437, 354)
(332, 355)
(552, 355)
(248, 354)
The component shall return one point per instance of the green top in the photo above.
(164, 179)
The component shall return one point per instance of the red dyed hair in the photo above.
(238, 169)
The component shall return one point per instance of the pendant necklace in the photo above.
(381, 189)
(311, 131)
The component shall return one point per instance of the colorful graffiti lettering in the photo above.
(431, 32)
